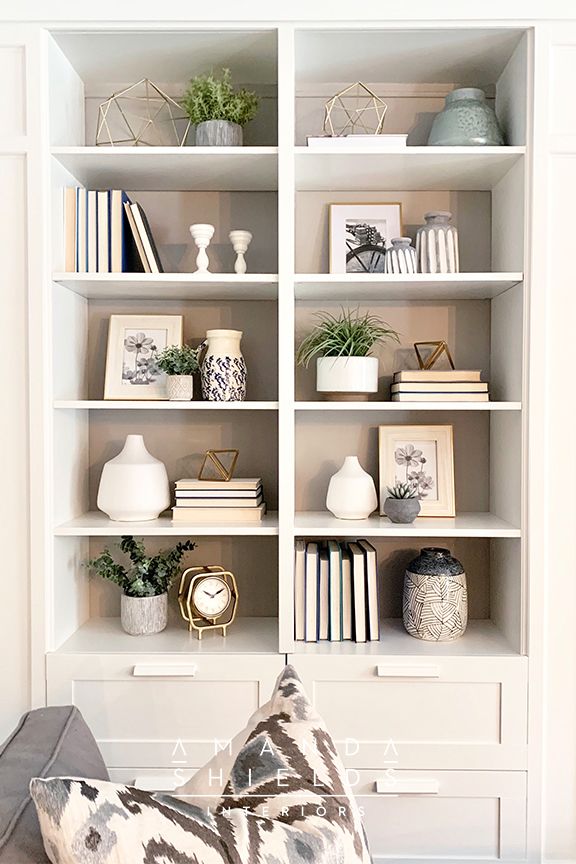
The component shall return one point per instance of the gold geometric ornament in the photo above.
(142, 115)
(216, 468)
(356, 110)
(438, 348)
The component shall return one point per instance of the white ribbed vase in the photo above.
(351, 491)
(437, 244)
(134, 485)
(401, 257)
(142, 616)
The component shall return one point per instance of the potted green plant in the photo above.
(342, 345)
(402, 503)
(218, 110)
(179, 364)
(144, 582)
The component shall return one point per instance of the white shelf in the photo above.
(431, 168)
(234, 169)
(482, 638)
(322, 524)
(96, 524)
(170, 286)
(105, 636)
(162, 405)
(418, 286)
(408, 406)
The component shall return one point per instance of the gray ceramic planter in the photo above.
(218, 133)
(402, 509)
(142, 616)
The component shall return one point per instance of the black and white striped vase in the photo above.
(437, 244)
(401, 256)
(435, 603)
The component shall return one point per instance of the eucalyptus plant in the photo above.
(211, 98)
(349, 334)
(145, 576)
(402, 490)
(178, 360)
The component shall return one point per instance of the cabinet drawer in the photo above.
(441, 712)
(443, 814)
(162, 712)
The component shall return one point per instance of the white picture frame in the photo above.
(350, 252)
(130, 371)
(423, 455)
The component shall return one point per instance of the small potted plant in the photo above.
(179, 363)
(144, 583)
(402, 503)
(218, 111)
(342, 346)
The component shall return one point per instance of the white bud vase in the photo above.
(351, 491)
(134, 485)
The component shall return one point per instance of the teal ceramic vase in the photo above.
(467, 120)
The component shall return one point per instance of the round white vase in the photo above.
(347, 375)
(180, 388)
(351, 491)
(134, 485)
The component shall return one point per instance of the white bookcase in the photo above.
(458, 713)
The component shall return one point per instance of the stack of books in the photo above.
(336, 591)
(238, 500)
(106, 233)
(431, 385)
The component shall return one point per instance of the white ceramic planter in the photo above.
(142, 616)
(180, 388)
(134, 485)
(351, 491)
(347, 375)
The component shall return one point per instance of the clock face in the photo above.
(212, 596)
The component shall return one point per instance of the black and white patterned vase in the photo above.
(435, 603)
(223, 369)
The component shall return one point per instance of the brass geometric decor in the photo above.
(356, 110)
(439, 348)
(218, 465)
(142, 115)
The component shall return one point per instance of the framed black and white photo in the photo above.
(134, 342)
(423, 457)
(360, 235)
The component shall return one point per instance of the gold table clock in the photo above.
(208, 598)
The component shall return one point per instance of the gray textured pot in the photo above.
(218, 133)
(142, 616)
(402, 509)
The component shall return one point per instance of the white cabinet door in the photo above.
(442, 712)
(162, 712)
(443, 814)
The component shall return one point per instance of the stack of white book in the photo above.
(336, 591)
(430, 385)
(238, 500)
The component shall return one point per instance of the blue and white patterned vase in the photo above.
(435, 603)
(466, 121)
(223, 369)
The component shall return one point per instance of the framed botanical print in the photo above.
(422, 456)
(134, 342)
(360, 235)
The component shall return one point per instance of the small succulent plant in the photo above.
(402, 490)
(178, 360)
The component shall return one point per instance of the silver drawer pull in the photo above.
(408, 671)
(143, 670)
(407, 786)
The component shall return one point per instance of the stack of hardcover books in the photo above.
(431, 385)
(336, 591)
(238, 500)
(106, 233)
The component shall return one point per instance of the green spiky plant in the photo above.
(349, 334)
(145, 576)
(178, 360)
(402, 490)
(211, 98)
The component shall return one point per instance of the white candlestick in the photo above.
(202, 234)
(240, 241)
